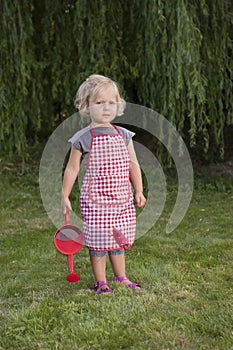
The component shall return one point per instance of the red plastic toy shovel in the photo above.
(68, 240)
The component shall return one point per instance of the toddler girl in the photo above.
(106, 199)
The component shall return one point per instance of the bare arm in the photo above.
(136, 176)
(70, 175)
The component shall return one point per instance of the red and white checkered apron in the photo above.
(106, 198)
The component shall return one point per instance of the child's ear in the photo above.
(87, 111)
(121, 107)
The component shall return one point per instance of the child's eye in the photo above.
(101, 103)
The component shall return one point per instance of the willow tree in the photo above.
(184, 64)
(47, 49)
(174, 56)
(17, 57)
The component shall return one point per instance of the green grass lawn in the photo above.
(187, 278)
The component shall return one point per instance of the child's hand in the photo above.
(65, 204)
(140, 199)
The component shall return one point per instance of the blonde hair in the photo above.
(90, 89)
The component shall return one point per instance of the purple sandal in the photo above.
(101, 290)
(133, 285)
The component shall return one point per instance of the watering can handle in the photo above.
(67, 218)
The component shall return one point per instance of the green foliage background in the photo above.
(174, 56)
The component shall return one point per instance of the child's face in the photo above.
(103, 108)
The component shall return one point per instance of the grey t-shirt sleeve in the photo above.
(81, 139)
(127, 134)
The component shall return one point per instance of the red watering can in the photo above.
(69, 240)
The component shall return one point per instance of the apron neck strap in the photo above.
(117, 129)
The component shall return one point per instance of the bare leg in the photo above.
(118, 267)
(118, 264)
(99, 268)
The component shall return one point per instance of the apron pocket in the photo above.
(109, 190)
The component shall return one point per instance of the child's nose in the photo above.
(106, 105)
